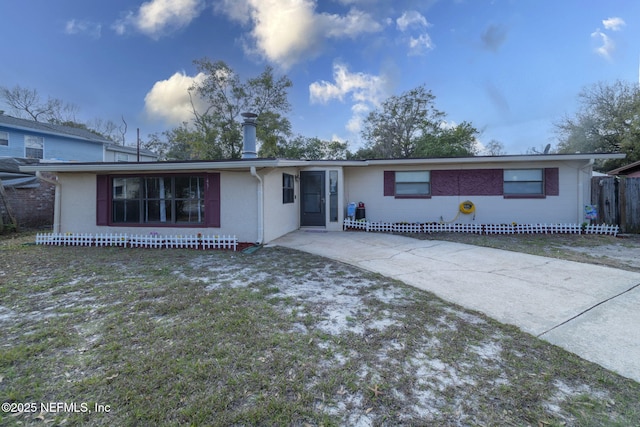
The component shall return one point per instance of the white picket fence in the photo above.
(603, 229)
(138, 240)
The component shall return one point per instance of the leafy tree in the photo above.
(456, 141)
(182, 143)
(393, 130)
(272, 130)
(409, 125)
(310, 148)
(226, 98)
(608, 121)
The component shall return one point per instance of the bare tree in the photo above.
(27, 103)
(494, 148)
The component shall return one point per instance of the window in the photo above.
(122, 157)
(524, 182)
(33, 147)
(177, 200)
(147, 200)
(4, 138)
(333, 196)
(287, 188)
(412, 184)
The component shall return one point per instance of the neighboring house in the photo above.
(24, 199)
(20, 138)
(123, 153)
(30, 141)
(631, 170)
(259, 200)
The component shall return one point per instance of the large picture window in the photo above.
(176, 199)
(524, 182)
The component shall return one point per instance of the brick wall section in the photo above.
(33, 207)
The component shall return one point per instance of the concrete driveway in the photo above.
(590, 310)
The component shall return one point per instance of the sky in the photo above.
(512, 68)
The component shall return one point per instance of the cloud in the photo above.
(493, 37)
(356, 122)
(419, 45)
(419, 42)
(75, 26)
(289, 31)
(606, 45)
(361, 86)
(157, 18)
(411, 19)
(366, 91)
(354, 23)
(169, 99)
(613, 24)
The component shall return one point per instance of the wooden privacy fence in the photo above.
(617, 200)
(138, 240)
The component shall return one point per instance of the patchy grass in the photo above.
(617, 252)
(279, 337)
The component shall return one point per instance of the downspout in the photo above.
(260, 206)
(57, 206)
(581, 203)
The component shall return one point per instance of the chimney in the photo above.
(249, 136)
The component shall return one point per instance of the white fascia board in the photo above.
(275, 163)
(498, 159)
(147, 166)
(322, 163)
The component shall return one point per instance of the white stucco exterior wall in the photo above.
(366, 184)
(238, 208)
(279, 218)
(77, 203)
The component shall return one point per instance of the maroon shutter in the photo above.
(389, 183)
(551, 182)
(102, 200)
(212, 200)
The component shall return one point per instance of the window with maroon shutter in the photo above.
(155, 200)
(524, 182)
(407, 184)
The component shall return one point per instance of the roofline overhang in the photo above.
(501, 159)
(625, 168)
(55, 133)
(145, 166)
(282, 163)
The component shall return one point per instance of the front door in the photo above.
(312, 208)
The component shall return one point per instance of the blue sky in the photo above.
(510, 67)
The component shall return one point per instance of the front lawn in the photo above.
(277, 337)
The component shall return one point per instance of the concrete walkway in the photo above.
(590, 310)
